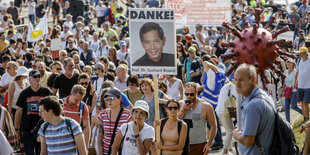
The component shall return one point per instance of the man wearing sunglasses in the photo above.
(199, 112)
(28, 111)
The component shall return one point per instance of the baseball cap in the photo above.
(99, 66)
(141, 105)
(22, 71)
(302, 50)
(34, 72)
(113, 93)
(121, 43)
(301, 32)
(86, 28)
(191, 49)
(188, 37)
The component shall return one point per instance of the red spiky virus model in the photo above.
(256, 46)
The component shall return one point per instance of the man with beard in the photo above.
(44, 74)
(199, 112)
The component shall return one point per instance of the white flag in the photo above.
(40, 30)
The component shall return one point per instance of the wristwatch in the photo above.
(136, 136)
(303, 126)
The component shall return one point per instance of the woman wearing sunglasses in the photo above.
(135, 137)
(91, 95)
(133, 92)
(172, 141)
(147, 88)
(94, 121)
(110, 120)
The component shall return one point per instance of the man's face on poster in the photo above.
(153, 45)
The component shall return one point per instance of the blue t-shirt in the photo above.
(58, 138)
(258, 119)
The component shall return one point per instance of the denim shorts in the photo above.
(303, 95)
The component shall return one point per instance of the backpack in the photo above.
(68, 123)
(230, 105)
(283, 141)
(186, 145)
(80, 112)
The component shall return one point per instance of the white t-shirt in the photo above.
(224, 95)
(304, 74)
(94, 45)
(129, 144)
(97, 85)
(120, 55)
(31, 8)
(211, 79)
(5, 147)
(173, 91)
(6, 79)
(100, 10)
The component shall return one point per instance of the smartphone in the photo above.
(188, 101)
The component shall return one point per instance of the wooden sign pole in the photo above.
(157, 129)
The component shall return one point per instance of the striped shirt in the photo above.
(58, 138)
(108, 126)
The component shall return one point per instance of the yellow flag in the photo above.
(36, 33)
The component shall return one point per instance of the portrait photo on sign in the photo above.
(153, 44)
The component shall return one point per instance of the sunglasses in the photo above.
(172, 108)
(109, 98)
(37, 76)
(189, 94)
(99, 107)
(59, 69)
(178, 46)
(84, 83)
(64, 55)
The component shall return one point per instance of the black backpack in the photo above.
(283, 142)
(186, 145)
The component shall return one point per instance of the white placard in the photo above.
(152, 41)
(56, 44)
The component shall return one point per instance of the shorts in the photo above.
(303, 95)
(55, 14)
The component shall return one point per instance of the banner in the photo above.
(55, 44)
(205, 12)
(41, 29)
(152, 41)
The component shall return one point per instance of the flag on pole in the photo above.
(40, 30)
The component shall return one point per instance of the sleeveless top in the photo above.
(170, 137)
(173, 91)
(198, 41)
(197, 134)
(17, 91)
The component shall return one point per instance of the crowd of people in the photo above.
(83, 99)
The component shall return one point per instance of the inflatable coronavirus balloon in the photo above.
(256, 46)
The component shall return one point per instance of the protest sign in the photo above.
(152, 41)
(205, 12)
